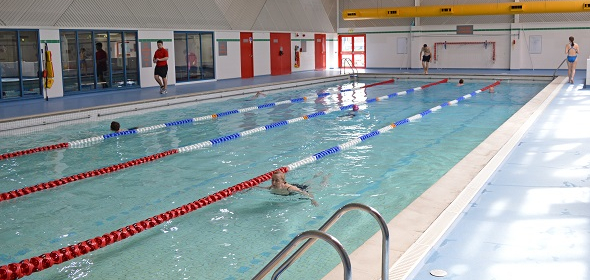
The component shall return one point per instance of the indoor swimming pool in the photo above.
(235, 237)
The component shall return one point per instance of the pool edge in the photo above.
(420, 225)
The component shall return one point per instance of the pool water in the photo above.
(235, 237)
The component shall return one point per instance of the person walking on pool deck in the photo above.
(425, 57)
(161, 70)
(571, 50)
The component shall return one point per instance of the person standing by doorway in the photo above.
(161, 70)
(571, 50)
(425, 57)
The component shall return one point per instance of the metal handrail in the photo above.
(349, 62)
(558, 67)
(309, 235)
(328, 224)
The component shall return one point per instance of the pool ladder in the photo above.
(312, 235)
(348, 62)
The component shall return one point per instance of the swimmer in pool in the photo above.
(258, 94)
(116, 127)
(280, 186)
(352, 113)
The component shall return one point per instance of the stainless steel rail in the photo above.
(324, 228)
(558, 67)
(345, 62)
(309, 235)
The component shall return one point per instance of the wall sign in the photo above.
(222, 47)
(146, 54)
(465, 29)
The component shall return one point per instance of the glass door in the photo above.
(10, 65)
(352, 47)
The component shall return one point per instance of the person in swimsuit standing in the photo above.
(571, 50)
(425, 57)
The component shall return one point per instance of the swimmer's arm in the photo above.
(296, 189)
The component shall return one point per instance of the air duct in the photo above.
(509, 8)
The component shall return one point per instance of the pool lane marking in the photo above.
(95, 139)
(65, 180)
(28, 266)
(364, 137)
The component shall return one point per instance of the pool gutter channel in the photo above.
(415, 230)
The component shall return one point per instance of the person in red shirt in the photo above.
(101, 64)
(160, 59)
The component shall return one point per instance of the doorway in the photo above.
(247, 54)
(280, 53)
(352, 47)
(320, 51)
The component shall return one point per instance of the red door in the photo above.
(320, 51)
(246, 52)
(280, 53)
(352, 49)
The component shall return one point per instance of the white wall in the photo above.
(332, 51)
(53, 35)
(147, 73)
(382, 51)
(382, 46)
(307, 58)
(261, 53)
(228, 67)
(554, 38)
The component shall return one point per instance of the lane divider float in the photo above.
(369, 85)
(77, 177)
(96, 139)
(27, 267)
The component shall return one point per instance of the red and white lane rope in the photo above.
(77, 177)
(29, 266)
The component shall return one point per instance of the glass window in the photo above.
(193, 60)
(9, 64)
(346, 44)
(86, 48)
(180, 57)
(29, 51)
(359, 43)
(69, 60)
(130, 54)
(101, 59)
(208, 64)
(116, 48)
(193, 56)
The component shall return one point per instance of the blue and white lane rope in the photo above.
(95, 139)
(92, 140)
(367, 136)
(222, 139)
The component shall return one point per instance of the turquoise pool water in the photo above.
(234, 238)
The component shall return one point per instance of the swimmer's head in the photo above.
(355, 107)
(115, 126)
(278, 177)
